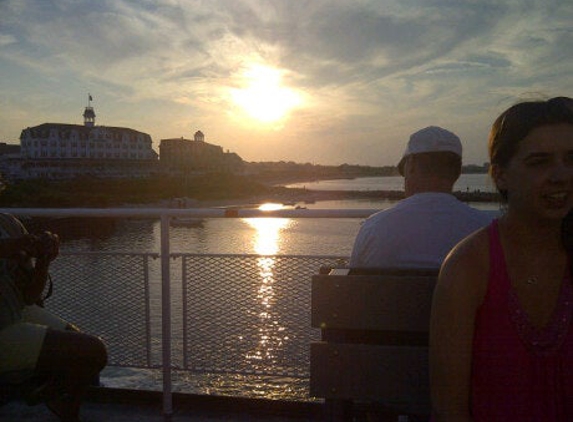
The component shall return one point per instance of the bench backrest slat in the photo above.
(374, 338)
(377, 302)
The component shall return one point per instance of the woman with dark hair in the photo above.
(34, 341)
(501, 332)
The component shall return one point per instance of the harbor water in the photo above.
(276, 301)
(465, 183)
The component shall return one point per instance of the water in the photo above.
(253, 312)
(259, 236)
(466, 182)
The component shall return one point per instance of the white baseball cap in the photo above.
(431, 139)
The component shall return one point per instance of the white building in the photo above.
(58, 150)
(57, 140)
(10, 161)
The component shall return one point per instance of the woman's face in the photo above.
(539, 177)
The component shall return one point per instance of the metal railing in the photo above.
(137, 293)
(229, 311)
(192, 338)
(108, 294)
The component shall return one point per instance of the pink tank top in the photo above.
(519, 372)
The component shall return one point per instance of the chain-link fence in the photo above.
(248, 314)
(108, 295)
(231, 314)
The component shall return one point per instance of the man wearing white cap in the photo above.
(420, 230)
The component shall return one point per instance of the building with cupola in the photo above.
(184, 156)
(60, 150)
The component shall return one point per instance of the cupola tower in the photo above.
(199, 136)
(89, 114)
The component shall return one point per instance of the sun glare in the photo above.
(263, 97)
(270, 206)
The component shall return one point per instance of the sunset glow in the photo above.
(263, 97)
(270, 206)
(324, 82)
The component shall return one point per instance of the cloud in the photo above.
(369, 69)
(6, 39)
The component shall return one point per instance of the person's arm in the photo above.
(46, 249)
(357, 251)
(11, 247)
(459, 292)
(32, 292)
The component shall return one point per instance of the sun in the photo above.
(263, 96)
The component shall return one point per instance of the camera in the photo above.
(45, 245)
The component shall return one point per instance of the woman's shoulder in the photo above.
(472, 248)
(468, 264)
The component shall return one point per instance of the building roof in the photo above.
(80, 128)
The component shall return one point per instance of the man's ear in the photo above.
(410, 163)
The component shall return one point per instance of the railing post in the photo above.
(166, 317)
(147, 308)
(185, 310)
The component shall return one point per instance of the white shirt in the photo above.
(418, 232)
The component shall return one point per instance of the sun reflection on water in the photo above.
(271, 335)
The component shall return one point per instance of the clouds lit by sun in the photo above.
(263, 97)
(322, 81)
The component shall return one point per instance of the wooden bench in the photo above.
(374, 345)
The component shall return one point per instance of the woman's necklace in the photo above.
(531, 281)
(505, 229)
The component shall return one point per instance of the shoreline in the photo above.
(293, 196)
(77, 227)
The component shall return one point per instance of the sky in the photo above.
(311, 81)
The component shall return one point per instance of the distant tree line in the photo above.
(290, 169)
(260, 180)
(99, 193)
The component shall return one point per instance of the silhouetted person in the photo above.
(33, 339)
(421, 229)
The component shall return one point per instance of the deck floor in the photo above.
(108, 405)
(106, 412)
